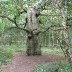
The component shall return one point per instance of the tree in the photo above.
(31, 27)
(30, 14)
(64, 31)
(32, 39)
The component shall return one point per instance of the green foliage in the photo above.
(54, 67)
(6, 52)
(54, 51)
(4, 56)
(51, 16)
(2, 25)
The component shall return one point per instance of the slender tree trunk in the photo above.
(32, 37)
(65, 37)
(64, 32)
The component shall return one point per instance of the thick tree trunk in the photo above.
(33, 47)
(32, 37)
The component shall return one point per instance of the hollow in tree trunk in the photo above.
(33, 47)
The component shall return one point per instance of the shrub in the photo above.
(4, 56)
(54, 67)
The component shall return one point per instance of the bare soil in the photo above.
(23, 63)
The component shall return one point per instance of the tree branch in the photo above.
(19, 13)
(14, 21)
(42, 31)
(52, 28)
(9, 28)
(3, 16)
(25, 22)
(49, 28)
(61, 45)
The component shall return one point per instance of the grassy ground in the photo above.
(54, 67)
(52, 51)
(6, 52)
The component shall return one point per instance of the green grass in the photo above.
(52, 51)
(5, 56)
(54, 67)
(7, 51)
(15, 48)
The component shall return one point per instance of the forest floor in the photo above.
(23, 63)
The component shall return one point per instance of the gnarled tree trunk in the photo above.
(32, 37)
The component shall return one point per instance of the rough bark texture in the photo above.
(32, 39)
(65, 37)
(64, 32)
(33, 47)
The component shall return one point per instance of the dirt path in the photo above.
(23, 63)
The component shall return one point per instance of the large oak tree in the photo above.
(31, 25)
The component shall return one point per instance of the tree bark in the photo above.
(32, 37)
(65, 33)
(32, 45)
